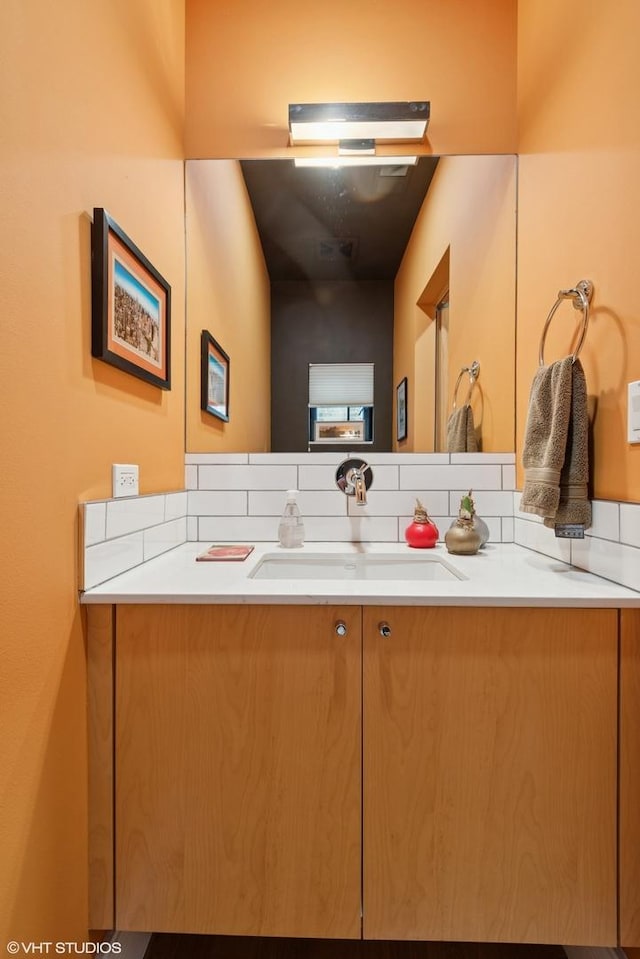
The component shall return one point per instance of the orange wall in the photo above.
(579, 209)
(470, 210)
(228, 294)
(91, 115)
(247, 61)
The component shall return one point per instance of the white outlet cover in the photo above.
(633, 412)
(124, 479)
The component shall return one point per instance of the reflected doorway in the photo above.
(442, 373)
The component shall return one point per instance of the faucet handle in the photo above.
(354, 477)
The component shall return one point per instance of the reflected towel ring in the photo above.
(473, 372)
(581, 295)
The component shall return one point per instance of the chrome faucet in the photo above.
(354, 477)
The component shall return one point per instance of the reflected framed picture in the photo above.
(214, 377)
(131, 305)
(401, 410)
(347, 431)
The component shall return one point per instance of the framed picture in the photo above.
(131, 305)
(348, 431)
(401, 409)
(214, 377)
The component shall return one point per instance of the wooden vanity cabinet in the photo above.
(630, 778)
(476, 800)
(490, 775)
(238, 793)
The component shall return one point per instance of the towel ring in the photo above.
(473, 372)
(581, 295)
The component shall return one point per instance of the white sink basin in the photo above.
(359, 566)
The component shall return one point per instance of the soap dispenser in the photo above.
(291, 527)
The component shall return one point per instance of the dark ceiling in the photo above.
(351, 223)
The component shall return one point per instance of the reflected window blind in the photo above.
(341, 384)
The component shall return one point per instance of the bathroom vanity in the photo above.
(361, 759)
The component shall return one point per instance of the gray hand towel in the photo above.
(555, 445)
(461, 433)
(574, 507)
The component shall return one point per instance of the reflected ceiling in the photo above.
(335, 224)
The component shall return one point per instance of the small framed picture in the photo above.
(214, 379)
(131, 305)
(401, 410)
(349, 431)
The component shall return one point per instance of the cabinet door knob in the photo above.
(341, 628)
(384, 629)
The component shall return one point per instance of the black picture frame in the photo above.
(401, 410)
(130, 305)
(215, 367)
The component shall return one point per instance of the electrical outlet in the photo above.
(125, 479)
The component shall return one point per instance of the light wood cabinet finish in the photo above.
(100, 640)
(490, 775)
(630, 778)
(238, 792)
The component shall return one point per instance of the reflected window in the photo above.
(341, 403)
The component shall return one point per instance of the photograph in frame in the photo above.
(131, 305)
(214, 392)
(401, 410)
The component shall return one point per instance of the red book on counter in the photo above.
(222, 552)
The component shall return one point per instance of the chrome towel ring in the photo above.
(581, 295)
(473, 372)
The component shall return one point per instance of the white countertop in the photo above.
(499, 575)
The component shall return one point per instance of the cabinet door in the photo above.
(629, 862)
(490, 775)
(238, 770)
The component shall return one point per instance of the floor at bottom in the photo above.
(171, 946)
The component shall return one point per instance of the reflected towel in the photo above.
(555, 445)
(461, 433)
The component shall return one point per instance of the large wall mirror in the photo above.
(409, 267)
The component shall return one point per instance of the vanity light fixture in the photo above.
(385, 122)
(354, 160)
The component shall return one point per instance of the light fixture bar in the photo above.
(354, 160)
(356, 147)
(385, 122)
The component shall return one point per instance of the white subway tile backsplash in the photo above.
(311, 503)
(133, 513)
(95, 523)
(630, 524)
(175, 505)
(160, 539)
(324, 477)
(487, 502)
(614, 561)
(485, 459)
(318, 477)
(238, 529)
(191, 477)
(240, 497)
(351, 529)
(299, 459)
(216, 459)
(509, 477)
(217, 503)
(248, 477)
(507, 529)
(605, 520)
(398, 503)
(537, 537)
(114, 556)
(406, 459)
(451, 477)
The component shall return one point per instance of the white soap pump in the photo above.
(291, 527)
